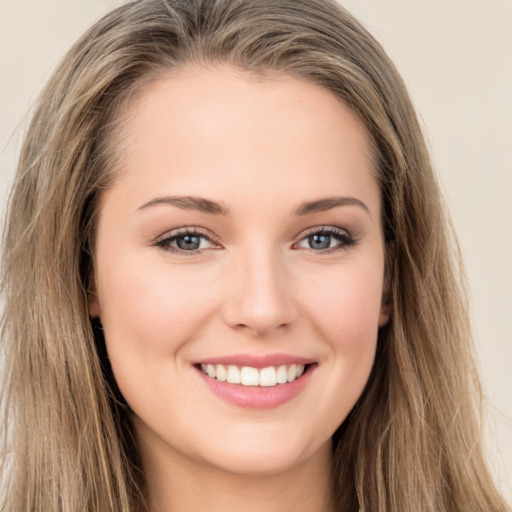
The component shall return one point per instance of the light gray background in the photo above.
(455, 56)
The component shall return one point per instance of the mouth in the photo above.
(256, 381)
(250, 376)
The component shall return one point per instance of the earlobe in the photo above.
(93, 300)
(385, 312)
(386, 307)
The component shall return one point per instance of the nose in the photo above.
(260, 297)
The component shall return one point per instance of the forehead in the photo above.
(221, 128)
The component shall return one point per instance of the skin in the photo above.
(260, 147)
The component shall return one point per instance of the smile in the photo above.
(251, 376)
(256, 382)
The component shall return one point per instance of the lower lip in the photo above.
(257, 397)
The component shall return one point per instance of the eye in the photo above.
(326, 240)
(186, 241)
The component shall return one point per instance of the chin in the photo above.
(258, 465)
(266, 457)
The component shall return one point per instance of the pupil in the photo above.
(320, 241)
(188, 242)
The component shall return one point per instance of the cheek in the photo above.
(346, 304)
(148, 315)
(345, 310)
(152, 305)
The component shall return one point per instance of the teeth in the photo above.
(268, 377)
(249, 376)
(210, 370)
(233, 375)
(222, 373)
(282, 374)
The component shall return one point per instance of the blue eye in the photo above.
(185, 242)
(188, 242)
(326, 239)
(320, 241)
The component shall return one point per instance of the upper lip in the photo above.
(256, 361)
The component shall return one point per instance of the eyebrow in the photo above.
(204, 205)
(327, 203)
(189, 203)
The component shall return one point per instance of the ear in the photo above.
(386, 307)
(92, 299)
(385, 312)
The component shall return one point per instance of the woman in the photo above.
(228, 276)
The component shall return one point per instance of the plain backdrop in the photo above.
(455, 56)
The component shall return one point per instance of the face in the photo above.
(239, 268)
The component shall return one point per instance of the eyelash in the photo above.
(166, 241)
(345, 240)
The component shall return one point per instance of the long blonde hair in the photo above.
(412, 442)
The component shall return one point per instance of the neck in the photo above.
(175, 483)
